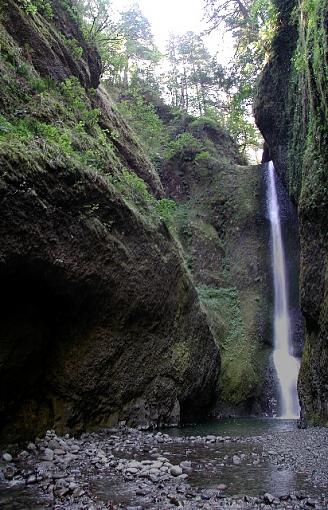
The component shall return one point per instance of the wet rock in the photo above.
(61, 492)
(211, 439)
(48, 455)
(142, 492)
(53, 444)
(176, 470)
(132, 471)
(236, 460)
(23, 455)
(31, 479)
(186, 466)
(9, 472)
(59, 451)
(268, 498)
(7, 457)
(174, 500)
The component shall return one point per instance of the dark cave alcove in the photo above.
(37, 309)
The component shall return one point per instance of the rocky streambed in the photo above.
(134, 470)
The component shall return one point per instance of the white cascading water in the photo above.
(286, 365)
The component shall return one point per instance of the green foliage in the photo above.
(34, 6)
(74, 92)
(308, 152)
(134, 188)
(26, 129)
(5, 125)
(74, 47)
(77, 101)
(193, 76)
(53, 134)
(253, 24)
(185, 142)
(24, 70)
(202, 156)
(146, 123)
(20, 129)
(204, 121)
(166, 209)
(136, 191)
(41, 85)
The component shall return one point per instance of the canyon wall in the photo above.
(291, 112)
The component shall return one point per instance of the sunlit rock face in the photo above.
(291, 113)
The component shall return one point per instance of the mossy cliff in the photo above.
(100, 321)
(291, 110)
(220, 222)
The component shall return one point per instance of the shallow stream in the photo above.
(250, 457)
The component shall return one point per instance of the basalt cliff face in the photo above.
(222, 226)
(100, 321)
(291, 112)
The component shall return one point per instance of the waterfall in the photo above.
(286, 365)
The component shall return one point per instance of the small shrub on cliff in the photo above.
(74, 47)
(74, 92)
(204, 122)
(41, 84)
(34, 6)
(27, 129)
(5, 125)
(20, 129)
(185, 142)
(135, 189)
(202, 156)
(147, 125)
(77, 101)
(53, 135)
(166, 208)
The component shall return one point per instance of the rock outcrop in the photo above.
(221, 223)
(100, 321)
(291, 112)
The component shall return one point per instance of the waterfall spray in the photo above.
(286, 365)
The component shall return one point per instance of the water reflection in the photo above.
(235, 427)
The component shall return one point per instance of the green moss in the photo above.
(308, 148)
(180, 358)
(239, 376)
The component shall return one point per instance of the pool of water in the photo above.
(212, 463)
(240, 427)
(20, 497)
